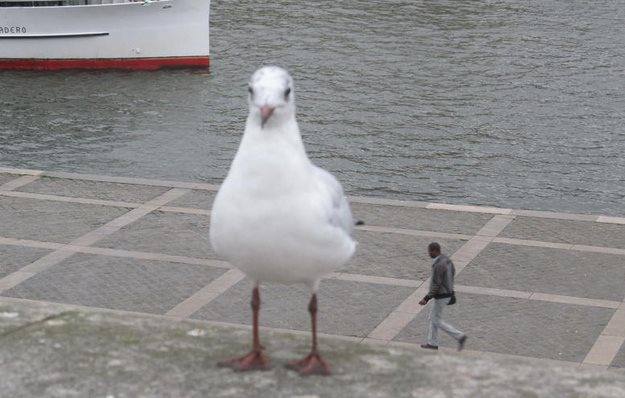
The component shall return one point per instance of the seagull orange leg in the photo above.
(312, 364)
(255, 360)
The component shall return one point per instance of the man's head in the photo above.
(434, 249)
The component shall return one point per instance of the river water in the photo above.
(508, 103)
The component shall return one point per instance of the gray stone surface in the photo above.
(51, 221)
(619, 360)
(196, 199)
(117, 283)
(395, 255)
(12, 258)
(76, 353)
(547, 270)
(420, 219)
(13, 317)
(4, 177)
(567, 231)
(346, 308)
(93, 189)
(163, 232)
(518, 326)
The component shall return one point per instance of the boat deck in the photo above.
(533, 284)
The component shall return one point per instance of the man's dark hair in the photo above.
(434, 247)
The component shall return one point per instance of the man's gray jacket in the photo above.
(442, 281)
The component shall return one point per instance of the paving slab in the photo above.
(198, 199)
(345, 307)
(350, 307)
(567, 231)
(518, 326)
(93, 189)
(117, 283)
(4, 177)
(163, 232)
(395, 255)
(547, 270)
(12, 258)
(619, 359)
(51, 221)
(60, 353)
(420, 219)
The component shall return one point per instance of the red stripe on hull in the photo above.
(108, 63)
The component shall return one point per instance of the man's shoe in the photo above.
(429, 346)
(461, 342)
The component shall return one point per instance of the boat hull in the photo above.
(136, 36)
(105, 63)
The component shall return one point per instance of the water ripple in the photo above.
(491, 102)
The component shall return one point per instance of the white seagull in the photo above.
(277, 217)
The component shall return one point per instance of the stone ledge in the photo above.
(51, 351)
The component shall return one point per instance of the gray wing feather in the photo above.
(340, 214)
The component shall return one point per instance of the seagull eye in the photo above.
(287, 92)
(251, 91)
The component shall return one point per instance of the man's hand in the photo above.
(423, 301)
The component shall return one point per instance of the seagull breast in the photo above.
(277, 216)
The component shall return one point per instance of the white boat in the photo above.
(103, 34)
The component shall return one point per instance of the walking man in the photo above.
(442, 291)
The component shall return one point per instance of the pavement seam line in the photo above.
(99, 202)
(487, 291)
(609, 342)
(369, 228)
(12, 170)
(616, 325)
(407, 310)
(149, 256)
(356, 199)
(555, 215)
(412, 232)
(604, 350)
(120, 180)
(508, 241)
(185, 210)
(208, 293)
(562, 246)
(30, 243)
(611, 220)
(557, 298)
(69, 199)
(18, 182)
(379, 280)
(87, 239)
(469, 208)
(495, 225)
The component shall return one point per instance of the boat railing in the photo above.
(51, 3)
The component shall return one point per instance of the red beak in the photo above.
(265, 113)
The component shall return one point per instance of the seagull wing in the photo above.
(338, 212)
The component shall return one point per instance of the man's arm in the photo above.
(438, 273)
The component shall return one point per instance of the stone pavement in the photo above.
(531, 283)
(52, 350)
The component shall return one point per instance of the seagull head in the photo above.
(271, 96)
